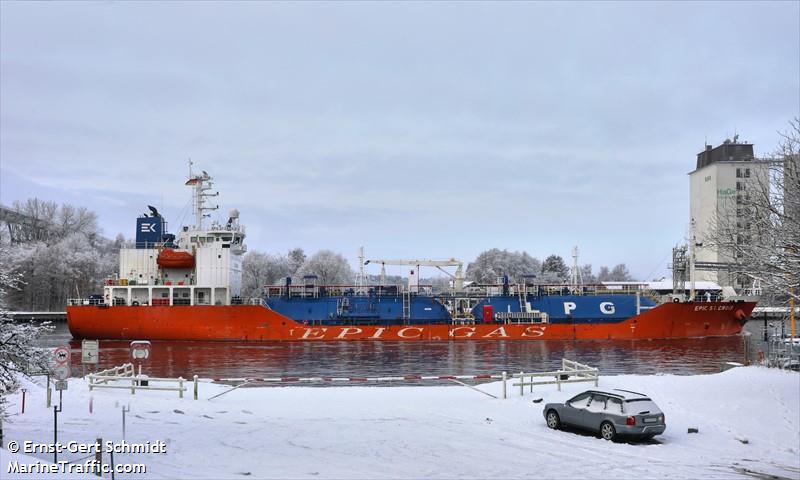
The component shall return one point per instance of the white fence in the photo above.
(118, 377)
(571, 372)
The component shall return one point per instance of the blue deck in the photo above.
(351, 309)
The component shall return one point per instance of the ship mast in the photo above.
(577, 277)
(200, 184)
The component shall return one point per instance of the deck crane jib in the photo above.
(414, 266)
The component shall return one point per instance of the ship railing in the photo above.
(124, 282)
(79, 302)
(517, 318)
(314, 290)
(570, 372)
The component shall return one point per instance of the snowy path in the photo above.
(436, 432)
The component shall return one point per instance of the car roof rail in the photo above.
(629, 391)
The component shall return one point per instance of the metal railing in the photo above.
(571, 372)
(125, 373)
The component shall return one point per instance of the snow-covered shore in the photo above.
(436, 431)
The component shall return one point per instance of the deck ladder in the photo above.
(406, 306)
(522, 291)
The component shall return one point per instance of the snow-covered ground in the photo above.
(436, 431)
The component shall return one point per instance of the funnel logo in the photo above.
(147, 228)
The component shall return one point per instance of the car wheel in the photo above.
(607, 431)
(553, 421)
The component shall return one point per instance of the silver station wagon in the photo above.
(611, 413)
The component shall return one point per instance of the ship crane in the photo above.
(413, 281)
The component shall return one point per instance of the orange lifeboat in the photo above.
(169, 258)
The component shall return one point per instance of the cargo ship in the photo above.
(189, 288)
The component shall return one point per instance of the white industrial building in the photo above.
(720, 192)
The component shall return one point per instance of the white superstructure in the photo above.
(202, 266)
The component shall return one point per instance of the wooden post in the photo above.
(505, 377)
(133, 385)
(195, 386)
(98, 457)
(180, 387)
(521, 383)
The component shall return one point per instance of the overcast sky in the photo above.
(419, 130)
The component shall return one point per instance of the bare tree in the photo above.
(329, 267)
(762, 238)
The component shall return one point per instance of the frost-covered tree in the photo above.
(586, 274)
(19, 353)
(604, 275)
(259, 269)
(619, 273)
(59, 255)
(554, 269)
(330, 268)
(297, 257)
(493, 264)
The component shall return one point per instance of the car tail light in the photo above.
(630, 421)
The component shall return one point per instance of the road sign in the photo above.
(140, 350)
(62, 372)
(90, 351)
(62, 355)
(61, 384)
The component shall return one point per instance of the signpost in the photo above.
(90, 351)
(62, 355)
(61, 372)
(140, 352)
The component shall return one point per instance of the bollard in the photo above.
(521, 383)
(124, 411)
(98, 457)
(195, 386)
(505, 377)
(180, 387)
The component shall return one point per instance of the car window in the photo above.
(641, 406)
(598, 403)
(580, 401)
(614, 405)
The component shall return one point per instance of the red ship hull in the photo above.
(256, 323)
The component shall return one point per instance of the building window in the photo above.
(739, 185)
(747, 173)
(738, 173)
